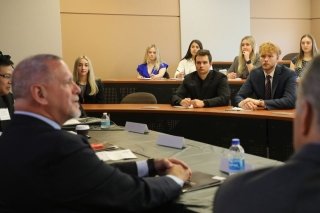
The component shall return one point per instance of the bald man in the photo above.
(46, 169)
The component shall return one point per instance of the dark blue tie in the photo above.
(267, 94)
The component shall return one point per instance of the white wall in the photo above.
(30, 27)
(218, 24)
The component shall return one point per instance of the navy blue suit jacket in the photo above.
(283, 94)
(48, 170)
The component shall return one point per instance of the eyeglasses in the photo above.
(6, 76)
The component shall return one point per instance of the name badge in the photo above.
(4, 114)
(136, 127)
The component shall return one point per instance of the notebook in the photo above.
(87, 120)
(201, 180)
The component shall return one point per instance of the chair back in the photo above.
(166, 75)
(139, 98)
(289, 56)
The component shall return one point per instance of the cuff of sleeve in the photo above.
(142, 168)
(152, 169)
(206, 103)
(177, 180)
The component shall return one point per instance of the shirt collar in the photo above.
(271, 74)
(52, 123)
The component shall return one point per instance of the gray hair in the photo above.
(34, 69)
(309, 86)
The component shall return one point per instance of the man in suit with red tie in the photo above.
(295, 185)
(272, 85)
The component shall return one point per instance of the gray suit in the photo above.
(283, 88)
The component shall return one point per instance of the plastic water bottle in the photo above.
(105, 121)
(236, 157)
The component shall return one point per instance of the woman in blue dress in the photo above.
(152, 66)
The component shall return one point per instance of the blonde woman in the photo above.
(152, 66)
(92, 90)
(246, 61)
(308, 50)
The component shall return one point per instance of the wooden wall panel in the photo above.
(133, 7)
(285, 33)
(278, 9)
(283, 22)
(315, 20)
(116, 44)
(115, 33)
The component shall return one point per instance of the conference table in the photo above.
(266, 133)
(199, 156)
(162, 89)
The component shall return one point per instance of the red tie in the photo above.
(267, 94)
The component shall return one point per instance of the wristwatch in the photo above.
(248, 62)
(261, 103)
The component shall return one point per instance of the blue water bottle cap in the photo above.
(235, 141)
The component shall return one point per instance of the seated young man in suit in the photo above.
(46, 169)
(294, 186)
(6, 97)
(203, 88)
(273, 85)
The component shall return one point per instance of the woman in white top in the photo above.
(187, 65)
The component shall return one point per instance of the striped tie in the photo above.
(267, 94)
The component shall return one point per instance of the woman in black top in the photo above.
(92, 90)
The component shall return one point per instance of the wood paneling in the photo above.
(277, 9)
(133, 7)
(114, 35)
(282, 22)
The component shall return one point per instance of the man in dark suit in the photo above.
(272, 85)
(6, 97)
(294, 186)
(204, 88)
(46, 169)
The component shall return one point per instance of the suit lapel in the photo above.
(275, 80)
(261, 88)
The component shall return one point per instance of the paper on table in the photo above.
(235, 109)
(116, 155)
(201, 180)
(71, 121)
(150, 107)
(184, 107)
(4, 114)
